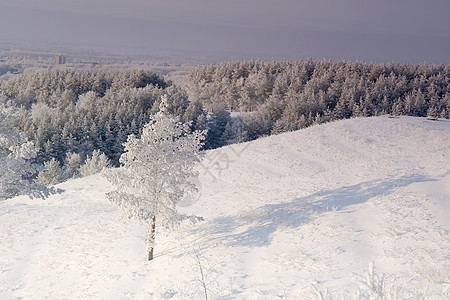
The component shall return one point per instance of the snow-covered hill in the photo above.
(294, 216)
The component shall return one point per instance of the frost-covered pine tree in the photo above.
(15, 155)
(94, 164)
(51, 174)
(156, 171)
(71, 166)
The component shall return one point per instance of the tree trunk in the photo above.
(153, 231)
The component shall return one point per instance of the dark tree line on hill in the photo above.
(67, 112)
(274, 97)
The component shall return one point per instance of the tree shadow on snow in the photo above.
(256, 228)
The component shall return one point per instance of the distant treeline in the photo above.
(74, 111)
(289, 95)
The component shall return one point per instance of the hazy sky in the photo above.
(370, 30)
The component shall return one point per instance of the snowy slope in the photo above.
(295, 216)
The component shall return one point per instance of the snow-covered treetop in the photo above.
(15, 153)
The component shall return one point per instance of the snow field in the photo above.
(292, 216)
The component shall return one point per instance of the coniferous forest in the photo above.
(276, 97)
(69, 114)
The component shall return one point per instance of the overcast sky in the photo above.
(370, 30)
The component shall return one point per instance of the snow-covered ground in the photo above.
(301, 215)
